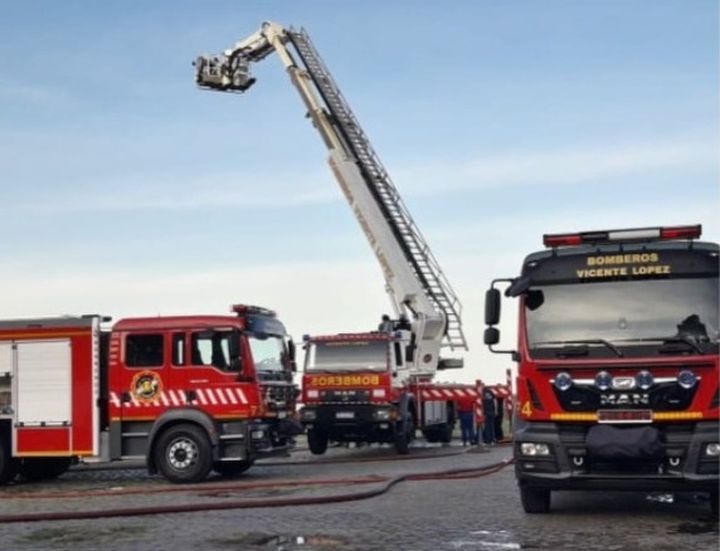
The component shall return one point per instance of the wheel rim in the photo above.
(182, 453)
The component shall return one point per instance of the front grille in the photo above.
(662, 397)
(279, 396)
(345, 396)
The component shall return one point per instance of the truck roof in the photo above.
(48, 322)
(585, 250)
(179, 322)
(350, 337)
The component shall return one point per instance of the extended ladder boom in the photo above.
(415, 282)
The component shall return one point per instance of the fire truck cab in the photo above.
(187, 394)
(618, 366)
(359, 387)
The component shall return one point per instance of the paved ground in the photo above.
(474, 514)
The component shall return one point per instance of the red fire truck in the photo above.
(617, 385)
(186, 393)
(362, 386)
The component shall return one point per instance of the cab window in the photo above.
(144, 350)
(211, 348)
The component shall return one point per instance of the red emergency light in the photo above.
(633, 235)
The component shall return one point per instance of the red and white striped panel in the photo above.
(479, 411)
(447, 393)
(169, 398)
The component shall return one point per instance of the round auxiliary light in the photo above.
(563, 381)
(603, 380)
(644, 379)
(687, 379)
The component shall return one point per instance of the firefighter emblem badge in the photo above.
(146, 386)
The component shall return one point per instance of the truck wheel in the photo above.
(445, 435)
(403, 436)
(535, 500)
(8, 464)
(183, 454)
(317, 441)
(715, 503)
(232, 468)
(44, 468)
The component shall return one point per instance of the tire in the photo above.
(232, 468)
(44, 468)
(715, 503)
(317, 441)
(445, 435)
(8, 464)
(535, 500)
(183, 454)
(403, 436)
(431, 436)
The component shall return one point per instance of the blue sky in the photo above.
(128, 191)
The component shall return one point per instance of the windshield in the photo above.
(347, 356)
(268, 352)
(623, 313)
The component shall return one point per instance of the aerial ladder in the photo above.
(417, 286)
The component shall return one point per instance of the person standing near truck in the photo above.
(489, 411)
(467, 421)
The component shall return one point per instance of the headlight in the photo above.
(532, 449)
(313, 394)
(713, 449)
(687, 379)
(257, 434)
(382, 414)
(644, 379)
(378, 393)
(308, 414)
(563, 381)
(603, 380)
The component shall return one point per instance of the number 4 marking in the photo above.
(526, 409)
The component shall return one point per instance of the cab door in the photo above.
(140, 381)
(214, 374)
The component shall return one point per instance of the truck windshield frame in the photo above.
(634, 316)
(348, 356)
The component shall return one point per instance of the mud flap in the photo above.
(612, 443)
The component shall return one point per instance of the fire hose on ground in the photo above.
(388, 484)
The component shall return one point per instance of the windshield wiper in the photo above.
(668, 342)
(583, 351)
(667, 346)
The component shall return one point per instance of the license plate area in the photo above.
(616, 416)
(344, 415)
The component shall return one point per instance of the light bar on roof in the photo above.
(633, 235)
(243, 309)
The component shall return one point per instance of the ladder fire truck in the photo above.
(362, 386)
(186, 393)
(618, 365)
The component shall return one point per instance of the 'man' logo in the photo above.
(625, 399)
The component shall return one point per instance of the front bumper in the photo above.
(351, 422)
(681, 465)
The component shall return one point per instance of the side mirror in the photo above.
(491, 336)
(291, 355)
(492, 307)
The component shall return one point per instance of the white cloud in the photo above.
(32, 94)
(193, 189)
(568, 165)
